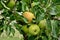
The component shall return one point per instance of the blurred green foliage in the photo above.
(42, 9)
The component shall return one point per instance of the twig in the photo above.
(5, 6)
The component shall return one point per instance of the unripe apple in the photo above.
(11, 3)
(34, 29)
(32, 4)
(29, 16)
(42, 23)
(25, 29)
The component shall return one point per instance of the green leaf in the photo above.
(8, 30)
(53, 11)
(40, 17)
(31, 38)
(54, 28)
(58, 10)
(44, 38)
(12, 31)
(56, 2)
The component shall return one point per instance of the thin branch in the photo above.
(5, 6)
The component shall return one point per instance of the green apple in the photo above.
(32, 4)
(25, 29)
(34, 29)
(29, 16)
(11, 3)
(42, 23)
